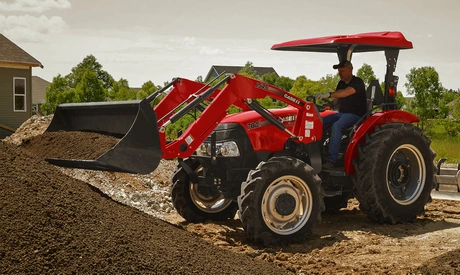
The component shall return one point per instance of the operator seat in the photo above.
(374, 96)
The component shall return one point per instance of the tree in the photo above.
(147, 89)
(284, 83)
(303, 87)
(89, 63)
(447, 103)
(87, 82)
(122, 91)
(199, 79)
(366, 73)
(400, 100)
(329, 82)
(53, 95)
(90, 88)
(270, 78)
(424, 84)
(249, 71)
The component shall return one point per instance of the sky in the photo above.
(142, 40)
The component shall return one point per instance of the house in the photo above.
(39, 86)
(15, 85)
(216, 70)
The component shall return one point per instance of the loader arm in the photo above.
(239, 91)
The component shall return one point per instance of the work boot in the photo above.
(329, 165)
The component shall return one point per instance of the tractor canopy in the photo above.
(363, 42)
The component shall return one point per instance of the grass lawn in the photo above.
(444, 145)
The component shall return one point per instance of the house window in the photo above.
(19, 94)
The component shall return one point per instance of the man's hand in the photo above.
(323, 95)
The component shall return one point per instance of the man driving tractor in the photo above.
(350, 95)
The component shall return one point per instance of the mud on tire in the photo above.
(394, 173)
(193, 206)
(281, 201)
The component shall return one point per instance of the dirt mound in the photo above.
(69, 145)
(51, 223)
(49, 218)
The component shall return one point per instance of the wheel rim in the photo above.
(406, 174)
(208, 204)
(287, 205)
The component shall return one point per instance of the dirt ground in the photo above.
(57, 220)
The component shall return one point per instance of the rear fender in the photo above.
(368, 127)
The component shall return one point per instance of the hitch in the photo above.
(447, 182)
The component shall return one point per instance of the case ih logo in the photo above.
(288, 118)
(261, 85)
(293, 99)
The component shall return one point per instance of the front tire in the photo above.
(394, 173)
(192, 204)
(281, 201)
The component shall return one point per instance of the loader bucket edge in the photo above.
(137, 152)
(112, 118)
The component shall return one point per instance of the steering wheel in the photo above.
(321, 107)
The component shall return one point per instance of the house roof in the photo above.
(39, 86)
(235, 69)
(13, 54)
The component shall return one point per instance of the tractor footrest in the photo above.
(335, 172)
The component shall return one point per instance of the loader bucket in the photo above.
(134, 122)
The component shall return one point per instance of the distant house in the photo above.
(39, 86)
(15, 85)
(216, 70)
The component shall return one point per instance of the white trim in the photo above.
(15, 95)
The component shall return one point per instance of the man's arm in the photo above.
(343, 92)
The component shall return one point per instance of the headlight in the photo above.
(226, 149)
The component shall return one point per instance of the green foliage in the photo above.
(442, 143)
(181, 125)
(329, 82)
(446, 103)
(122, 91)
(366, 73)
(452, 127)
(284, 83)
(89, 63)
(249, 71)
(90, 88)
(424, 84)
(270, 78)
(55, 94)
(400, 100)
(303, 87)
(87, 82)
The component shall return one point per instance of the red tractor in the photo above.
(266, 164)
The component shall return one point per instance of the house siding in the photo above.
(7, 115)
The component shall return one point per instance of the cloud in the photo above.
(209, 51)
(28, 28)
(37, 6)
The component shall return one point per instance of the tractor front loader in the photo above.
(266, 164)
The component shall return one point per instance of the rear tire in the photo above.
(394, 173)
(281, 201)
(195, 207)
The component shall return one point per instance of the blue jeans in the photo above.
(338, 121)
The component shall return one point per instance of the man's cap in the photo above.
(343, 64)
